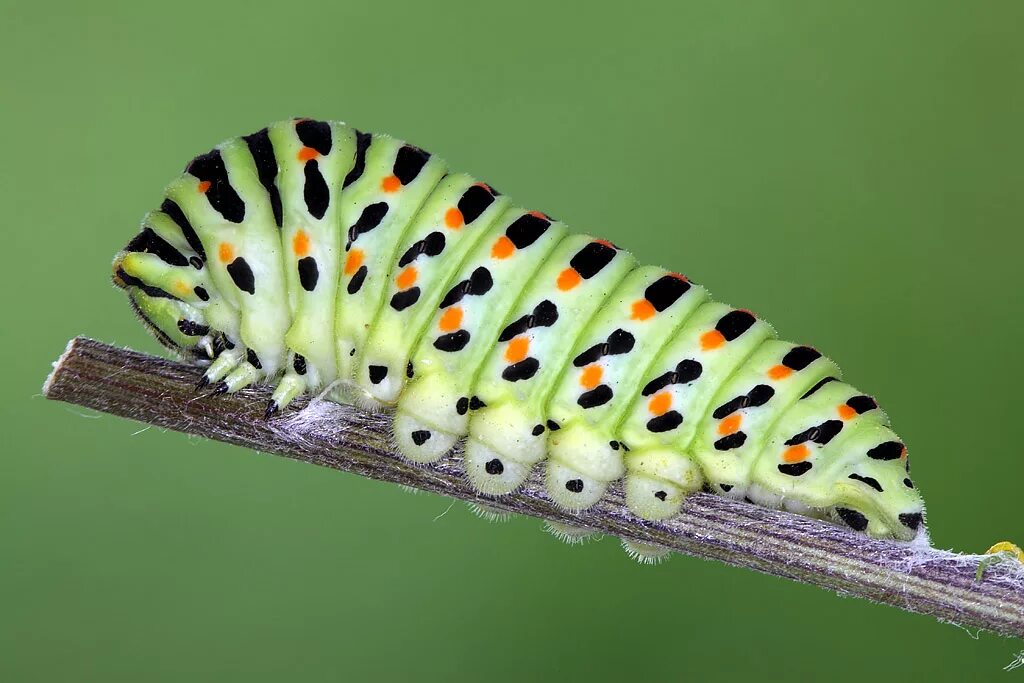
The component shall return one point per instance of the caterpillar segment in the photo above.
(324, 259)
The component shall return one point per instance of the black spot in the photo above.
(758, 396)
(352, 352)
(538, 430)
(262, 152)
(853, 519)
(597, 396)
(462, 406)
(725, 487)
(474, 202)
(819, 434)
(308, 273)
(862, 404)
(192, 329)
(727, 443)
(479, 282)
(800, 357)
(196, 262)
(591, 259)
(909, 484)
(494, 466)
(178, 216)
(357, 281)
(409, 162)
(476, 404)
(201, 293)
(526, 230)
(404, 299)
(665, 291)
(665, 423)
(554, 426)
(315, 134)
(210, 168)
(619, 342)
(574, 485)
(359, 165)
(614, 445)
(870, 481)
(660, 495)
(911, 520)
(817, 386)
(431, 245)
(735, 323)
(408, 370)
(369, 219)
(890, 450)
(253, 359)
(452, 342)
(420, 436)
(242, 276)
(315, 191)
(377, 373)
(524, 369)
(795, 469)
(299, 364)
(149, 242)
(545, 314)
(687, 371)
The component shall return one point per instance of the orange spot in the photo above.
(486, 187)
(517, 349)
(539, 214)
(451, 320)
(226, 253)
(711, 340)
(903, 453)
(407, 278)
(730, 425)
(391, 184)
(660, 403)
(779, 372)
(204, 186)
(606, 243)
(591, 376)
(846, 412)
(300, 243)
(453, 218)
(503, 248)
(568, 279)
(796, 453)
(643, 309)
(182, 288)
(353, 261)
(679, 276)
(307, 153)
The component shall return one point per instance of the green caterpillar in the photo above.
(320, 257)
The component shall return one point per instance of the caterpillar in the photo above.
(322, 258)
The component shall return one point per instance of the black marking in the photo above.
(462, 406)
(130, 281)
(890, 450)
(545, 314)
(409, 162)
(479, 282)
(253, 359)
(308, 273)
(201, 293)
(474, 202)
(196, 262)
(796, 469)
(665, 423)
(909, 484)
(377, 373)
(911, 520)
(758, 396)
(734, 323)
(221, 388)
(359, 165)
(800, 357)
(614, 445)
(242, 276)
(494, 467)
(554, 426)
(526, 230)
(591, 259)
(315, 190)
(725, 487)
(686, 371)
(870, 481)
(175, 213)
(597, 396)
(452, 342)
(190, 328)
(315, 134)
(817, 386)
(862, 404)
(299, 364)
(618, 342)
(476, 404)
(262, 152)
(819, 434)
(357, 281)
(210, 168)
(665, 291)
(369, 219)
(431, 245)
(734, 440)
(272, 410)
(660, 495)
(538, 430)
(524, 369)
(149, 242)
(409, 370)
(406, 298)
(574, 485)
(853, 519)
(420, 436)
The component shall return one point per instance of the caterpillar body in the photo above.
(317, 256)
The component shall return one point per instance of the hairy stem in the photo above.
(938, 583)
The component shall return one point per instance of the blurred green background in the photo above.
(849, 170)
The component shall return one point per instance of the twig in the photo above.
(918, 579)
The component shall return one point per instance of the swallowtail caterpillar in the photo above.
(315, 256)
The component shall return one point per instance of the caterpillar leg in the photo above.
(239, 378)
(657, 481)
(431, 417)
(644, 553)
(583, 462)
(291, 385)
(225, 363)
(421, 441)
(503, 446)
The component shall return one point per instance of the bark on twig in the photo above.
(924, 580)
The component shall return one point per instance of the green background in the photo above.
(849, 170)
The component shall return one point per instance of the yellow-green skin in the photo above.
(320, 258)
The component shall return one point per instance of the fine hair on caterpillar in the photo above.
(323, 259)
